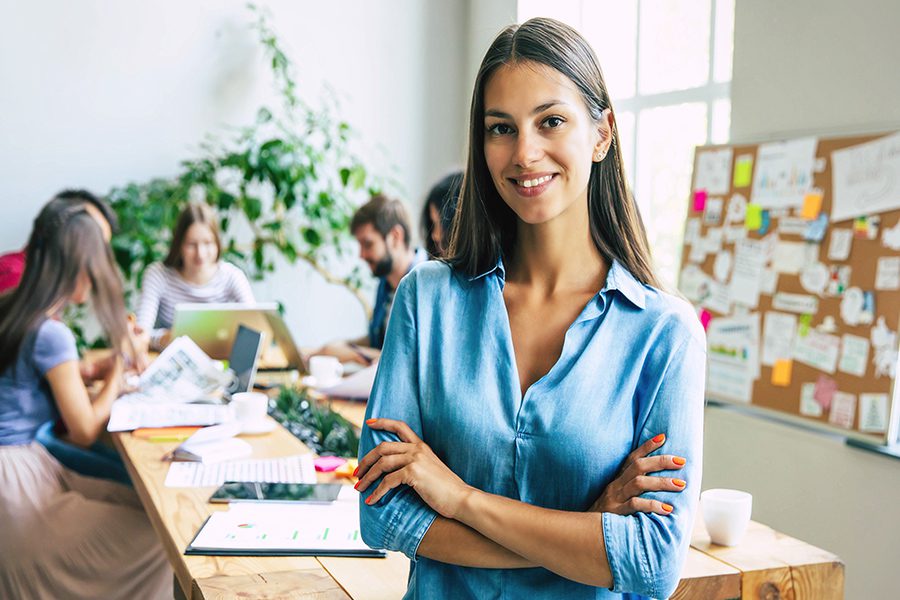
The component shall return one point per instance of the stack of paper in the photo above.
(271, 529)
(290, 469)
(214, 444)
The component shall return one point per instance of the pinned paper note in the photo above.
(765, 222)
(768, 282)
(816, 230)
(692, 283)
(722, 266)
(873, 413)
(789, 257)
(781, 373)
(818, 350)
(712, 212)
(737, 208)
(824, 392)
(828, 325)
(808, 405)
(887, 273)
(699, 200)
(890, 238)
(852, 306)
(713, 168)
(814, 277)
(866, 178)
(866, 228)
(843, 410)
(792, 226)
(795, 303)
(783, 173)
(753, 220)
(743, 171)
(778, 337)
(812, 205)
(804, 325)
(838, 280)
(884, 343)
(692, 231)
(749, 261)
(854, 355)
(839, 246)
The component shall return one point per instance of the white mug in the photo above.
(326, 370)
(726, 514)
(250, 407)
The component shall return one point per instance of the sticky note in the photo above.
(812, 205)
(705, 318)
(327, 464)
(781, 372)
(743, 170)
(699, 200)
(753, 220)
(803, 327)
(765, 222)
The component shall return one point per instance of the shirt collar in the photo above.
(499, 268)
(619, 278)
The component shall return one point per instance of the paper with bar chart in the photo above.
(273, 529)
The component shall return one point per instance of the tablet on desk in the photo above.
(243, 491)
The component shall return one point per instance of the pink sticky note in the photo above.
(705, 318)
(824, 392)
(326, 464)
(699, 200)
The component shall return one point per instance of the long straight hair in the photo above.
(65, 242)
(195, 212)
(484, 227)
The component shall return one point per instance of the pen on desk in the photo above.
(358, 351)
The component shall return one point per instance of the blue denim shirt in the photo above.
(632, 366)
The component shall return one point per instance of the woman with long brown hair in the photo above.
(531, 382)
(193, 271)
(65, 535)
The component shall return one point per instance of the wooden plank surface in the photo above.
(177, 514)
(774, 565)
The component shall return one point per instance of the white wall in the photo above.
(99, 93)
(820, 67)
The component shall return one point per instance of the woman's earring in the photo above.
(599, 156)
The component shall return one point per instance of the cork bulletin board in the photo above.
(792, 258)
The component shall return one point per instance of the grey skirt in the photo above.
(63, 535)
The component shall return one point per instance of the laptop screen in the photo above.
(243, 358)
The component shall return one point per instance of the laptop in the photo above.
(243, 359)
(213, 327)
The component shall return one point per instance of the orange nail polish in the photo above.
(679, 461)
(667, 507)
(369, 421)
(679, 482)
(369, 500)
(659, 438)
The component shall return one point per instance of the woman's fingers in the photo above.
(403, 431)
(647, 447)
(660, 462)
(387, 484)
(649, 483)
(645, 505)
(386, 464)
(382, 449)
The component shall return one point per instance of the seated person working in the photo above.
(381, 226)
(192, 272)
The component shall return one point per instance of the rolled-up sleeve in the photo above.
(401, 519)
(646, 552)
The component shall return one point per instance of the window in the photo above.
(667, 64)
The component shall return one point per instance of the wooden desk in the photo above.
(766, 565)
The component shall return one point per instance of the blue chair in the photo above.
(99, 460)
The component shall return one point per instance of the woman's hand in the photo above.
(411, 462)
(623, 495)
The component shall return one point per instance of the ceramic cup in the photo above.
(250, 407)
(726, 514)
(326, 370)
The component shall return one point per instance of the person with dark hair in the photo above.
(12, 264)
(437, 214)
(381, 226)
(535, 426)
(65, 535)
(192, 272)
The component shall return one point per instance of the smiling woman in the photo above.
(530, 382)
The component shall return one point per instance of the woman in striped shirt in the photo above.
(192, 272)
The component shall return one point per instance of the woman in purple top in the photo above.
(65, 535)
